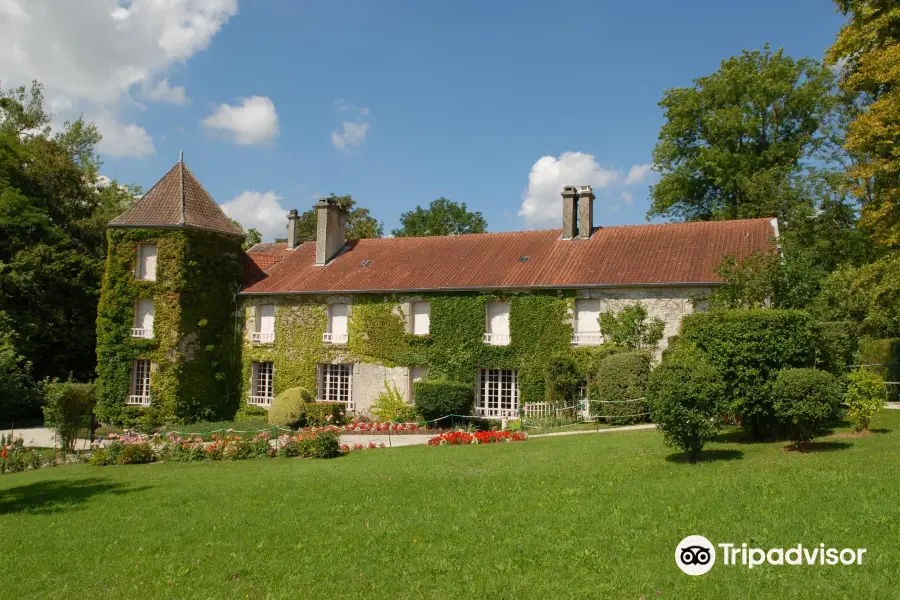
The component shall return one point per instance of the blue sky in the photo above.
(481, 102)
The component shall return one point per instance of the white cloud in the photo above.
(93, 55)
(626, 198)
(637, 174)
(353, 133)
(122, 140)
(261, 211)
(253, 121)
(163, 92)
(541, 201)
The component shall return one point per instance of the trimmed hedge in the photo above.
(879, 352)
(806, 400)
(838, 342)
(620, 377)
(749, 347)
(439, 397)
(287, 408)
(686, 397)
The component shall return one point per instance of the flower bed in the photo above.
(461, 438)
(364, 427)
(15, 457)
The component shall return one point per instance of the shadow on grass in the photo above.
(707, 456)
(881, 430)
(819, 447)
(58, 495)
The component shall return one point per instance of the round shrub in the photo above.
(440, 397)
(865, 395)
(621, 377)
(805, 400)
(687, 399)
(287, 408)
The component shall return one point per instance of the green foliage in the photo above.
(360, 223)
(868, 295)
(563, 380)
(319, 444)
(248, 413)
(749, 283)
(390, 405)
(748, 348)
(319, 414)
(731, 143)
(630, 328)
(836, 346)
(687, 400)
(439, 397)
(621, 377)
(67, 408)
(805, 400)
(865, 396)
(18, 396)
(442, 217)
(879, 352)
(287, 408)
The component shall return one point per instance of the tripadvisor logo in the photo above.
(696, 555)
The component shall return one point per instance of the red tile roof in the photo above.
(666, 254)
(177, 200)
(260, 258)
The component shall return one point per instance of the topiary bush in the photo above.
(865, 396)
(806, 400)
(67, 408)
(838, 342)
(440, 397)
(749, 347)
(563, 380)
(621, 377)
(687, 400)
(287, 408)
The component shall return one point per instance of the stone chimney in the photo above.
(331, 230)
(570, 201)
(585, 212)
(293, 237)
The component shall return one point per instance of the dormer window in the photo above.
(586, 324)
(146, 263)
(265, 325)
(497, 333)
(143, 319)
(336, 332)
(421, 318)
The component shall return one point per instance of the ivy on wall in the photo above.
(194, 351)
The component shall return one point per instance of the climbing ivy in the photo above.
(194, 351)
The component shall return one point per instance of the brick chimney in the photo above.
(570, 202)
(585, 212)
(331, 230)
(293, 237)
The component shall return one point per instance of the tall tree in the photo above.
(442, 217)
(360, 222)
(868, 51)
(733, 142)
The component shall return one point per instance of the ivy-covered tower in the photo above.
(166, 330)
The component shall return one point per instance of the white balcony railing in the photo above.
(335, 338)
(137, 332)
(259, 401)
(138, 401)
(587, 339)
(496, 339)
(259, 337)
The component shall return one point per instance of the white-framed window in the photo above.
(415, 374)
(146, 261)
(140, 383)
(336, 332)
(262, 389)
(265, 324)
(143, 319)
(421, 318)
(336, 383)
(497, 333)
(586, 323)
(498, 393)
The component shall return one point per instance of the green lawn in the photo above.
(590, 516)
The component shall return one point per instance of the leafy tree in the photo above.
(253, 238)
(360, 222)
(732, 143)
(18, 395)
(631, 329)
(442, 217)
(868, 48)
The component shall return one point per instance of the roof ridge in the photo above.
(181, 173)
